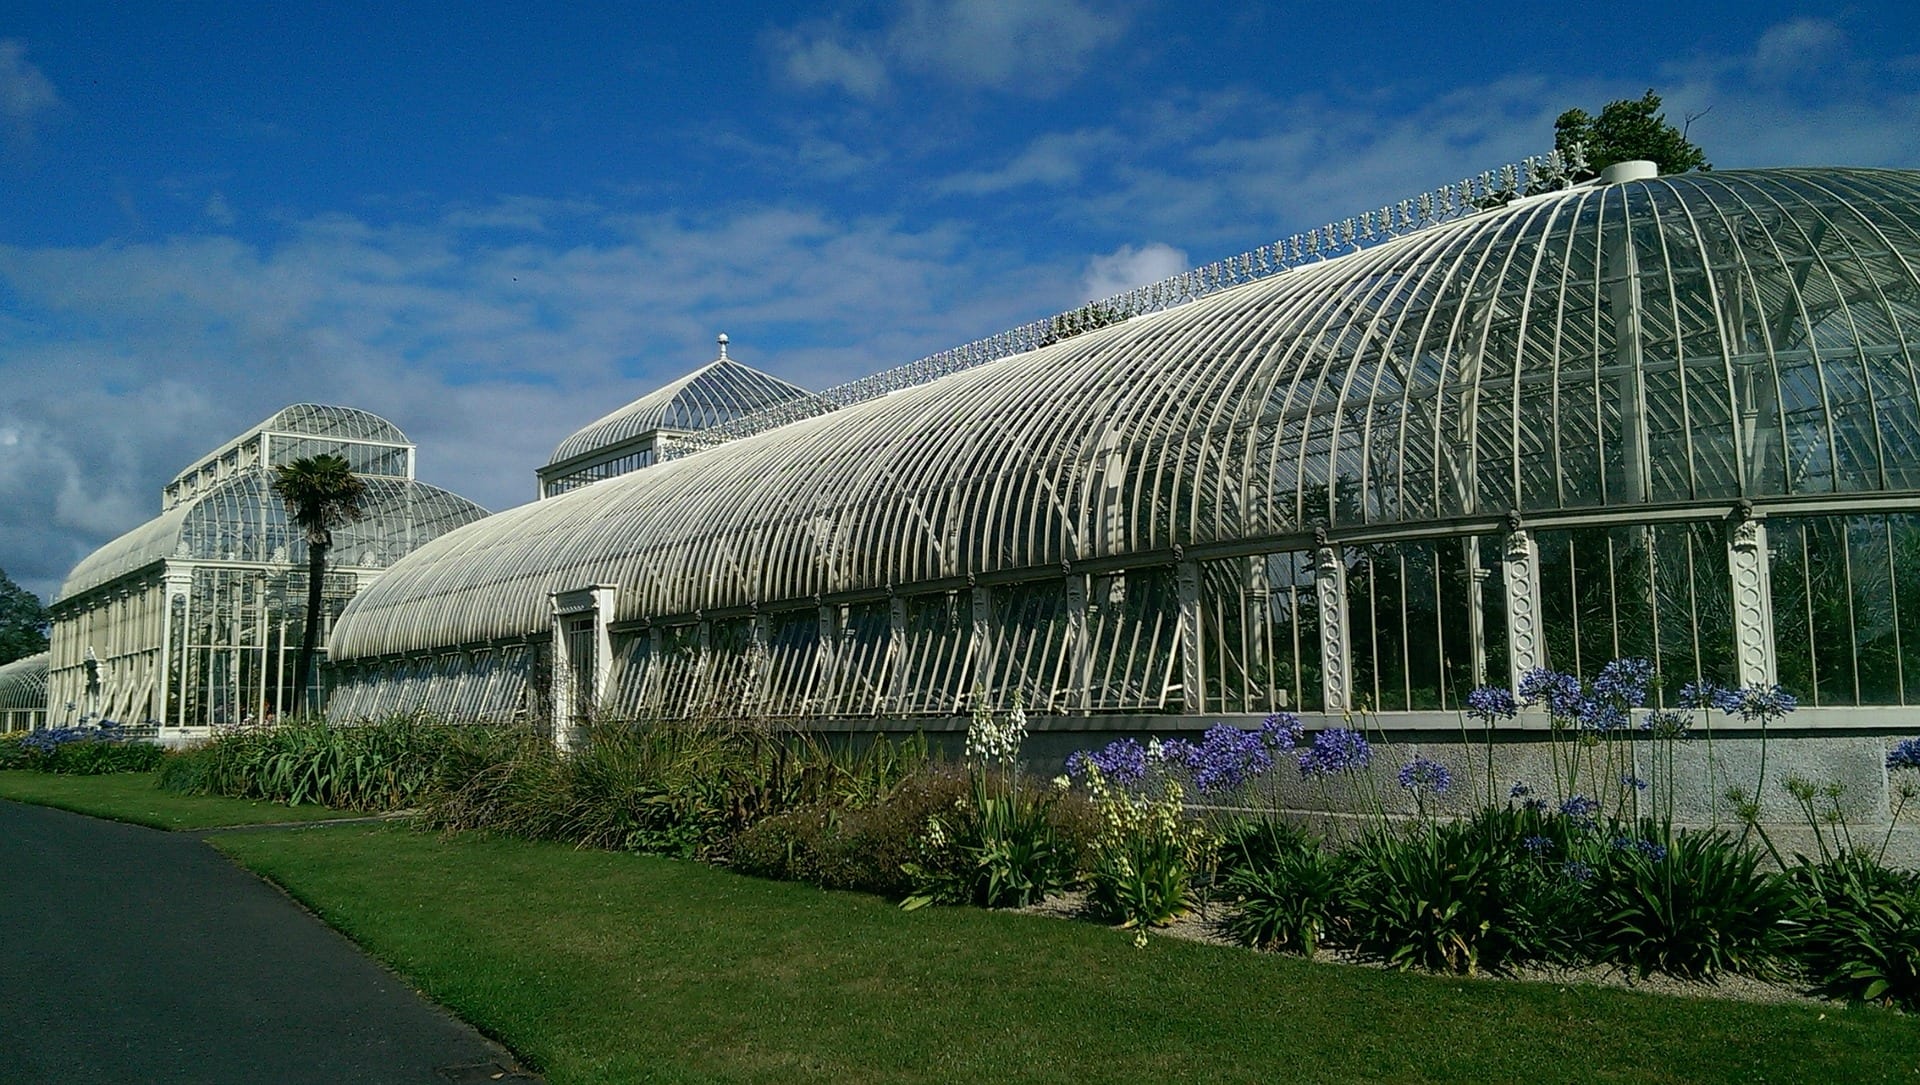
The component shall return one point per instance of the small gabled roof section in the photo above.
(722, 389)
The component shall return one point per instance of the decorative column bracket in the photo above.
(1330, 584)
(1079, 654)
(982, 645)
(1193, 672)
(1521, 570)
(1752, 599)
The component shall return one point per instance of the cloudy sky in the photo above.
(494, 223)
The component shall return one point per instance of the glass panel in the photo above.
(1132, 654)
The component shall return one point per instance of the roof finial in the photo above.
(722, 340)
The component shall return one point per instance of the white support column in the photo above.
(896, 652)
(572, 699)
(1256, 633)
(827, 661)
(1193, 672)
(1336, 670)
(1754, 659)
(983, 646)
(1521, 572)
(1079, 656)
(761, 631)
(179, 586)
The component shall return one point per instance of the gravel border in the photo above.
(1203, 926)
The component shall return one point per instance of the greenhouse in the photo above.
(1670, 417)
(23, 694)
(193, 618)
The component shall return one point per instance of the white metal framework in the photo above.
(190, 619)
(23, 694)
(635, 435)
(1676, 417)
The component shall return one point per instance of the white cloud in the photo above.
(487, 345)
(1796, 46)
(1027, 46)
(1127, 267)
(1056, 159)
(1030, 47)
(26, 94)
(814, 59)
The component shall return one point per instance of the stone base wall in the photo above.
(1845, 749)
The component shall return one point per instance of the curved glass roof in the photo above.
(23, 683)
(241, 520)
(313, 420)
(721, 390)
(1688, 339)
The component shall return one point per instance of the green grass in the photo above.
(134, 797)
(601, 967)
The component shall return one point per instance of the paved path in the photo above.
(133, 955)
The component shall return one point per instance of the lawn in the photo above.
(600, 967)
(134, 797)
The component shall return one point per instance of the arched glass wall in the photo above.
(1654, 417)
(23, 694)
(195, 617)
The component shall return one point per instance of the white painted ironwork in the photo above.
(1404, 396)
(1544, 173)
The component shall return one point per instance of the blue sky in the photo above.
(492, 223)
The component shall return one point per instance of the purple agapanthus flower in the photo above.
(1577, 871)
(1762, 704)
(1426, 777)
(1228, 758)
(1624, 682)
(1628, 779)
(1602, 716)
(1527, 798)
(1561, 693)
(1537, 844)
(1491, 703)
(1665, 724)
(1579, 806)
(1701, 694)
(1336, 750)
(1905, 754)
(1123, 762)
(1281, 731)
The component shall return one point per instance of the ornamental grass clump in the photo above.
(373, 767)
(1854, 923)
(1854, 929)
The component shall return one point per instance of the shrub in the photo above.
(860, 848)
(1430, 898)
(97, 758)
(79, 751)
(1288, 900)
(14, 753)
(687, 789)
(1695, 908)
(1855, 929)
(1501, 889)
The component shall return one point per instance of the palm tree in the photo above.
(321, 493)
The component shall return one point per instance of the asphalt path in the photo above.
(134, 955)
